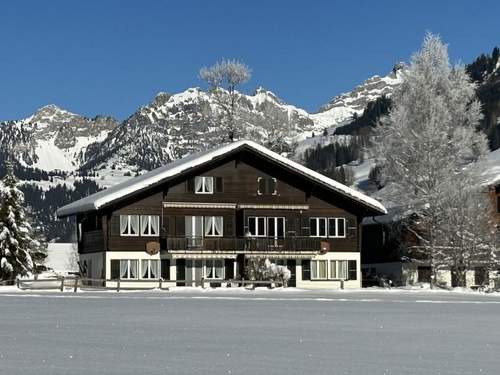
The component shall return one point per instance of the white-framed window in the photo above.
(257, 226)
(336, 227)
(203, 185)
(129, 225)
(150, 225)
(317, 226)
(276, 227)
(129, 269)
(214, 226)
(319, 270)
(214, 269)
(267, 186)
(150, 269)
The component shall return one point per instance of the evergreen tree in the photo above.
(16, 235)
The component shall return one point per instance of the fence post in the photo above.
(76, 285)
(202, 283)
(159, 282)
(18, 283)
(118, 285)
(62, 284)
(342, 284)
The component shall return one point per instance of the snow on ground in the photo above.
(245, 333)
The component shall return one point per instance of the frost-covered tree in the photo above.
(222, 79)
(428, 137)
(468, 230)
(16, 236)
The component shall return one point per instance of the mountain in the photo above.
(172, 126)
(341, 108)
(54, 139)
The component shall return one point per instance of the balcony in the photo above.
(246, 244)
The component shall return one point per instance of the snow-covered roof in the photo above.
(489, 173)
(156, 176)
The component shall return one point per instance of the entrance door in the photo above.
(424, 274)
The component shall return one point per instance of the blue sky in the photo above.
(108, 57)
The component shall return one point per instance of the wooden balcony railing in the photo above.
(245, 243)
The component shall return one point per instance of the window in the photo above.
(204, 185)
(352, 270)
(214, 269)
(318, 226)
(194, 230)
(276, 227)
(318, 270)
(257, 226)
(342, 269)
(150, 225)
(149, 269)
(266, 186)
(129, 225)
(128, 268)
(213, 226)
(336, 227)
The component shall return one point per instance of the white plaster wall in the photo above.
(330, 284)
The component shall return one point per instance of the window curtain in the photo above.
(198, 184)
(209, 269)
(134, 224)
(209, 223)
(333, 269)
(155, 225)
(123, 224)
(314, 269)
(133, 269)
(144, 224)
(219, 269)
(342, 269)
(209, 184)
(144, 269)
(219, 224)
(322, 269)
(123, 268)
(153, 268)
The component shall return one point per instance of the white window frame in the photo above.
(149, 226)
(213, 268)
(203, 185)
(276, 226)
(337, 219)
(128, 269)
(257, 234)
(317, 226)
(158, 270)
(212, 219)
(128, 234)
(315, 263)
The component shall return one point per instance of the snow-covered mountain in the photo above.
(172, 126)
(55, 139)
(341, 108)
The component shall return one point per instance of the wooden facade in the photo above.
(238, 200)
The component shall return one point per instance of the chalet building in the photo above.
(205, 215)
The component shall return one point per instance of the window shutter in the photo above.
(305, 228)
(351, 228)
(306, 270)
(229, 264)
(165, 269)
(352, 270)
(262, 185)
(190, 185)
(115, 269)
(229, 226)
(219, 185)
(180, 229)
(269, 185)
